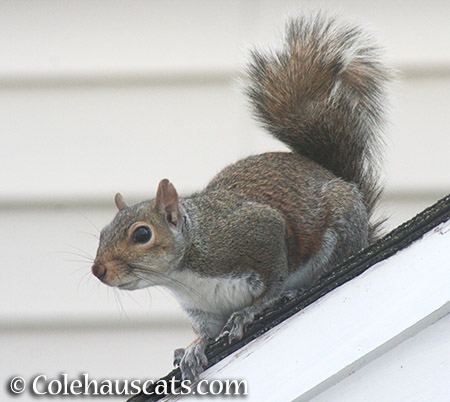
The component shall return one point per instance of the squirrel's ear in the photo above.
(120, 202)
(167, 201)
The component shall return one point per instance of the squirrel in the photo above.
(269, 225)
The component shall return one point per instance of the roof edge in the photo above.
(390, 244)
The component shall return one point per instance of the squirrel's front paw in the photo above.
(177, 356)
(192, 361)
(237, 323)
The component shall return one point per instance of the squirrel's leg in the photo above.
(239, 320)
(272, 268)
(192, 360)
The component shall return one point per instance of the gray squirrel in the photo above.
(269, 225)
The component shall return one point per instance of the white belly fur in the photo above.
(220, 296)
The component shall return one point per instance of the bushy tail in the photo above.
(323, 94)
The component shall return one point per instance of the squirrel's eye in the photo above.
(141, 235)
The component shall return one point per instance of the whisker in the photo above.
(84, 268)
(94, 235)
(87, 277)
(80, 253)
(119, 302)
(83, 252)
(113, 290)
(168, 279)
(157, 287)
(144, 279)
(176, 282)
(166, 292)
(89, 220)
(93, 286)
(78, 261)
(128, 294)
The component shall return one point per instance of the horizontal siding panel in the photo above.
(412, 32)
(418, 140)
(89, 142)
(53, 37)
(51, 279)
(85, 142)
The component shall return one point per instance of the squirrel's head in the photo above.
(143, 243)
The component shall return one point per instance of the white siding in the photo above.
(105, 96)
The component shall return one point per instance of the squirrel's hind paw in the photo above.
(192, 361)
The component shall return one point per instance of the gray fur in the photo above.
(272, 224)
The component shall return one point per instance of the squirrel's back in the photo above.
(323, 94)
(269, 225)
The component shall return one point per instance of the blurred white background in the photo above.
(102, 96)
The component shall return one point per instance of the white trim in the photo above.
(355, 323)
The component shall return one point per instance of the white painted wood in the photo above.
(338, 334)
(417, 370)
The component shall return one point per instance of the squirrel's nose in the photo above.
(99, 270)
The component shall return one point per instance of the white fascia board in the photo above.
(350, 326)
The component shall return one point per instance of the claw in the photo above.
(177, 356)
(193, 361)
(236, 324)
(292, 294)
